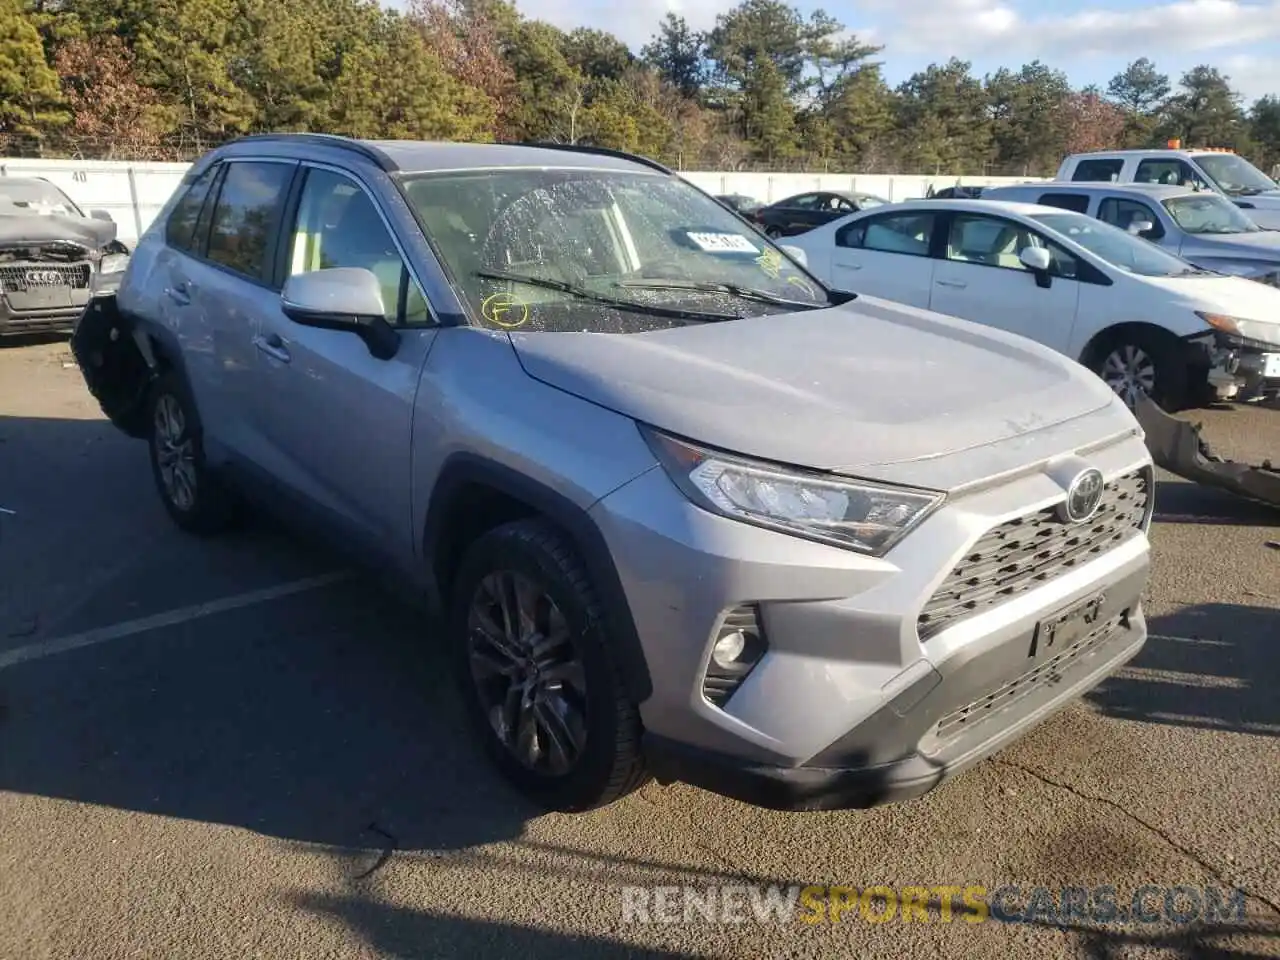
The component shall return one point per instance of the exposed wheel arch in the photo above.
(474, 495)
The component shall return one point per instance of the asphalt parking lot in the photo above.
(239, 749)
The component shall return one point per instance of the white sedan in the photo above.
(1143, 319)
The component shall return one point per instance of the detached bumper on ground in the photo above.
(1177, 446)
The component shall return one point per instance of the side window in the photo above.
(338, 226)
(1066, 201)
(1098, 170)
(906, 232)
(180, 230)
(1167, 171)
(989, 241)
(1121, 212)
(241, 228)
(807, 202)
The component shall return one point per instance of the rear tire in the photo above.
(1141, 361)
(542, 688)
(192, 495)
(773, 233)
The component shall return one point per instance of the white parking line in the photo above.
(56, 645)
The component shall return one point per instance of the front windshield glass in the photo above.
(1120, 249)
(18, 197)
(601, 251)
(1209, 213)
(1235, 174)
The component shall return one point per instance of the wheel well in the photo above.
(1104, 338)
(473, 510)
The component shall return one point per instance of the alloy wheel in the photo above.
(527, 672)
(175, 453)
(1130, 372)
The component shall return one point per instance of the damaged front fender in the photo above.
(115, 363)
(1177, 446)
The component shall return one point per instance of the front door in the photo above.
(886, 255)
(982, 279)
(338, 421)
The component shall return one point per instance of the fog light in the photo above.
(728, 649)
(738, 646)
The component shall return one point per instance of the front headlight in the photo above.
(113, 263)
(1241, 327)
(867, 517)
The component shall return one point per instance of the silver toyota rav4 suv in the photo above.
(689, 514)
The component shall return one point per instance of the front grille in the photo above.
(1028, 552)
(36, 276)
(1050, 672)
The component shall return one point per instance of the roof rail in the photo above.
(328, 139)
(598, 151)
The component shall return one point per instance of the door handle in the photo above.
(851, 266)
(958, 284)
(273, 346)
(180, 293)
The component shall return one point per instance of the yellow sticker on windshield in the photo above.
(770, 262)
(803, 284)
(505, 310)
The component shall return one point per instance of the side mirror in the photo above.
(1038, 261)
(342, 298)
(796, 254)
(1141, 227)
(1036, 258)
(101, 215)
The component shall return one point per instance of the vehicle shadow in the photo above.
(1184, 502)
(1212, 666)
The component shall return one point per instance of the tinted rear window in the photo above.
(181, 228)
(1077, 202)
(244, 217)
(1103, 170)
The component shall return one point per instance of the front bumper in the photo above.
(1238, 368)
(849, 706)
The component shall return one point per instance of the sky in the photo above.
(1090, 43)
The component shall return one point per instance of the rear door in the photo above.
(336, 421)
(798, 214)
(887, 255)
(229, 289)
(981, 278)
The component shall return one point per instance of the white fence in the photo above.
(133, 193)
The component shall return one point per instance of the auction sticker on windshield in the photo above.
(723, 242)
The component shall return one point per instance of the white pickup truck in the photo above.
(1221, 170)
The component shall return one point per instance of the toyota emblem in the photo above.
(1083, 497)
(43, 276)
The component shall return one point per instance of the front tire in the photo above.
(192, 496)
(1137, 362)
(534, 662)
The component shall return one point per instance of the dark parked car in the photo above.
(954, 193)
(52, 256)
(740, 203)
(797, 214)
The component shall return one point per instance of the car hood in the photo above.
(847, 389)
(28, 229)
(1232, 296)
(1264, 245)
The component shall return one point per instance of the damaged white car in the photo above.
(1145, 320)
(53, 256)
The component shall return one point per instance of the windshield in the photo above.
(1209, 213)
(1235, 174)
(601, 251)
(34, 196)
(1120, 249)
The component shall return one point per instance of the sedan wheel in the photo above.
(1130, 372)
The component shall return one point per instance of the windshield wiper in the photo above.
(619, 303)
(716, 286)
